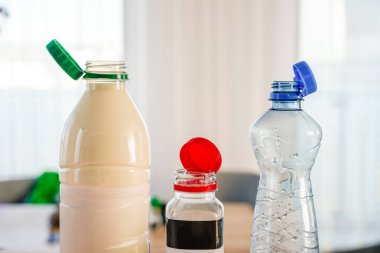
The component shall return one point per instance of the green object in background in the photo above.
(157, 213)
(155, 202)
(45, 189)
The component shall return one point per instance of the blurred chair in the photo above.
(13, 191)
(237, 187)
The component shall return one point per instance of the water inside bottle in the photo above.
(284, 219)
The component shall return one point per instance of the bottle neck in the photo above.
(286, 105)
(113, 75)
(195, 195)
(96, 84)
(286, 95)
(195, 182)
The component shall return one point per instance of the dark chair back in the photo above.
(237, 187)
(13, 191)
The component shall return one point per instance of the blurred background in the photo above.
(204, 68)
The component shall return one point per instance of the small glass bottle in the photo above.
(194, 217)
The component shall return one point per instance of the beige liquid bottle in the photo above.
(105, 159)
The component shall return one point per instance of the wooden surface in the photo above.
(237, 230)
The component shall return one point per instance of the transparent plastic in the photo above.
(104, 160)
(285, 141)
(194, 206)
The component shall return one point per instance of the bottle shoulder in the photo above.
(285, 139)
(287, 119)
(105, 109)
(105, 127)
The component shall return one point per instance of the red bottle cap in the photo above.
(200, 155)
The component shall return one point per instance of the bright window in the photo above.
(341, 39)
(36, 96)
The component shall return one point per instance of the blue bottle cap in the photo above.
(305, 77)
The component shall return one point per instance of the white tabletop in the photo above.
(25, 228)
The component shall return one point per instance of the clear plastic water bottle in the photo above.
(286, 141)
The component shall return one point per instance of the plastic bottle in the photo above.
(194, 216)
(286, 141)
(105, 159)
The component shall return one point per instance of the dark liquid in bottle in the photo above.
(194, 235)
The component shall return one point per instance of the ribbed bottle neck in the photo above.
(105, 75)
(194, 182)
(106, 67)
(116, 68)
(286, 105)
(286, 95)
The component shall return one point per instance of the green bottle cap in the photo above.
(72, 68)
(64, 59)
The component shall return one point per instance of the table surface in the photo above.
(24, 232)
(237, 230)
(25, 226)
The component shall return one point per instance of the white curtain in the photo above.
(204, 68)
(36, 96)
(342, 38)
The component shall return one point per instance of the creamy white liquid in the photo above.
(105, 159)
